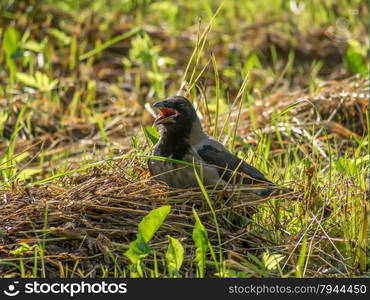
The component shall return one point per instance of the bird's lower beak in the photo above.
(167, 114)
(170, 119)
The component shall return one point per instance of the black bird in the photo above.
(182, 138)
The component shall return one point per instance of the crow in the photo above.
(183, 139)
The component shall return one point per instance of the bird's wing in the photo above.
(214, 153)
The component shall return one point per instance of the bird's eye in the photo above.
(181, 105)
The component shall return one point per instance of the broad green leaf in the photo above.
(174, 255)
(10, 46)
(200, 238)
(139, 248)
(10, 43)
(151, 222)
(356, 62)
(152, 134)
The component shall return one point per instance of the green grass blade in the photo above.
(110, 43)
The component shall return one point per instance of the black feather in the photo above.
(172, 144)
(227, 163)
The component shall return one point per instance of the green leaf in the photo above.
(33, 46)
(362, 160)
(10, 46)
(152, 134)
(4, 115)
(301, 257)
(23, 249)
(40, 81)
(271, 261)
(26, 79)
(151, 222)
(346, 166)
(28, 173)
(10, 43)
(174, 255)
(139, 248)
(355, 61)
(200, 238)
(60, 35)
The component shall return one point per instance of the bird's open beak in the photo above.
(167, 114)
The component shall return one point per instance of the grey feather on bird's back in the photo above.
(213, 152)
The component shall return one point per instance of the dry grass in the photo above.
(106, 206)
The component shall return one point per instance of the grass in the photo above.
(76, 80)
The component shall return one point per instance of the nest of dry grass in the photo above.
(102, 210)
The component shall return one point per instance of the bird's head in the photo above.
(175, 112)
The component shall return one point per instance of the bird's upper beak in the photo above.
(159, 104)
(167, 113)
